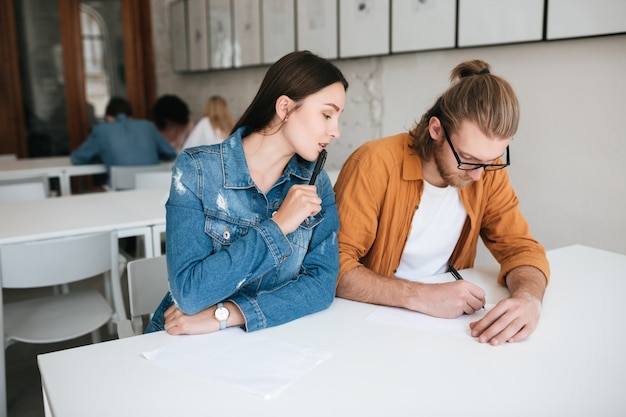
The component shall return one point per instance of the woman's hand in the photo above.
(300, 203)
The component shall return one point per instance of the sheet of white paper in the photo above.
(251, 362)
(414, 320)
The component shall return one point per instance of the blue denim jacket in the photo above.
(222, 244)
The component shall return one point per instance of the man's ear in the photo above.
(435, 128)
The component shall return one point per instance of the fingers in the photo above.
(474, 298)
(509, 321)
(171, 323)
(448, 300)
(301, 202)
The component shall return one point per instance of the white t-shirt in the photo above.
(203, 134)
(435, 230)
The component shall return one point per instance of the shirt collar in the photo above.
(411, 161)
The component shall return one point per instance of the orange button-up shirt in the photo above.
(378, 191)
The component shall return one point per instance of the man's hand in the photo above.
(511, 320)
(448, 300)
(515, 318)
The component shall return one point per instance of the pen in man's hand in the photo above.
(318, 166)
(456, 274)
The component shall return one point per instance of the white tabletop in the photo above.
(573, 365)
(54, 166)
(23, 221)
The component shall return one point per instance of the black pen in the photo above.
(318, 166)
(456, 274)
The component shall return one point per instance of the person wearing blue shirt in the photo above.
(123, 141)
(249, 242)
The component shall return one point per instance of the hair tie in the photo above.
(484, 71)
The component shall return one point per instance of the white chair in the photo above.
(123, 177)
(153, 179)
(147, 285)
(53, 262)
(32, 188)
(161, 180)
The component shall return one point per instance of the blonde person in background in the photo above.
(214, 127)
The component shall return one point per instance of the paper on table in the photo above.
(251, 362)
(414, 320)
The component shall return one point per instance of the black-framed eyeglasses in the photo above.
(469, 166)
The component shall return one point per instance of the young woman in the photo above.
(214, 126)
(249, 242)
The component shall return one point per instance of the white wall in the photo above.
(568, 158)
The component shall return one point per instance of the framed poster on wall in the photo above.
(317, 27)
(363, 28)
(490, 22)
(418, 25)
(178, 31)
(197, 35)
(279, 27)
(220, 34)
(247, 33)
(576, 18)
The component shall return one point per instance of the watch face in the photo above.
(221, 313)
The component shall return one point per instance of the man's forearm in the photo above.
(364, 285)
(527, 279)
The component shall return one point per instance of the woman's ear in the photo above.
(435, 128)
(283, 107)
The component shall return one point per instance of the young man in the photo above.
(122, 140)
(412, 204)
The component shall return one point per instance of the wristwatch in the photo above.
(221, 314)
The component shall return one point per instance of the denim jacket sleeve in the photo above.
(271, 279)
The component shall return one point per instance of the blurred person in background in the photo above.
(216, 124)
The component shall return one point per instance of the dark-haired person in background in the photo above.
(414, 203)
(122, 140)
(171, 116)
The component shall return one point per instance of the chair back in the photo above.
(153, 179)
(123, 177)
(147, 284)
(55, 261)
(33, 188)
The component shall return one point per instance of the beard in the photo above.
(453, 177)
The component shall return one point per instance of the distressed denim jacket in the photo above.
(222, 244)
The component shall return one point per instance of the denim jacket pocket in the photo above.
(302, 235)
(223, 232)
(311, 222)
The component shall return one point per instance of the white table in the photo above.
(120, 211)
(60, 167)
(573, 365)
(123, 213)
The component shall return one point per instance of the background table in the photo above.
(572, 365)
(123, 213)
(60, 167)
